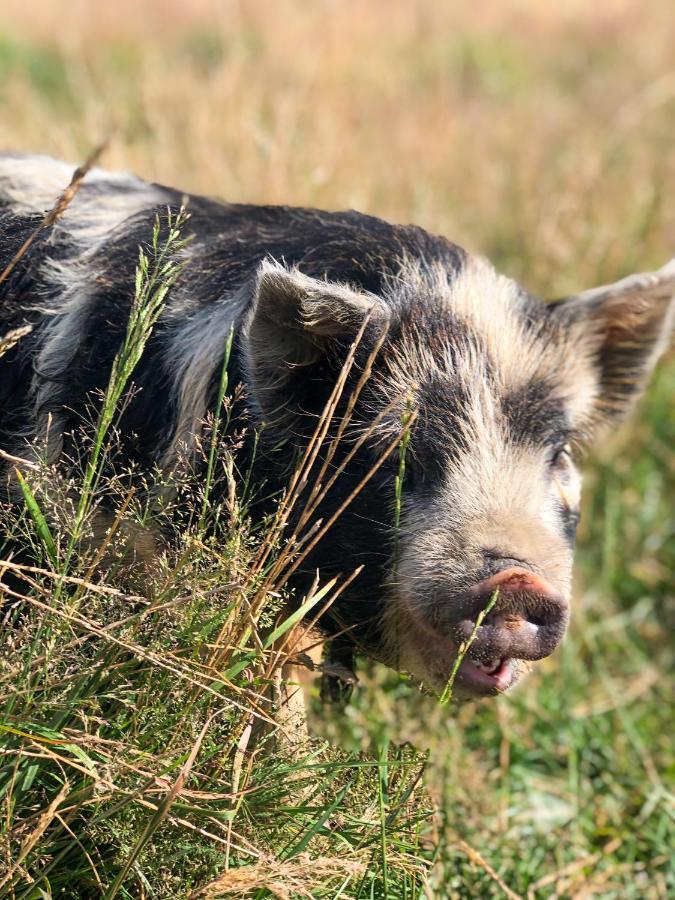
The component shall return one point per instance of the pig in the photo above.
(480, 396)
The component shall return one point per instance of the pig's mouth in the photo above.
(478, 674)
(473, 678)
(431, 658)
(524, 622)
(493, 677)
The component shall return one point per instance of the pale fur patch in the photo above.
(194, 352)
(32, 184)
(61, 339)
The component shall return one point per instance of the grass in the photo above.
(131, 761)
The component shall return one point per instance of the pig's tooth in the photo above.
(488, 666)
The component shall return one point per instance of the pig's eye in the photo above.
(562, 457)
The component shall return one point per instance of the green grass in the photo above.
(129, 767)
(45, 70)
(135, 757)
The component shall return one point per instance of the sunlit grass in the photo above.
(538, 135)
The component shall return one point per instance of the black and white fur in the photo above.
(501, 384)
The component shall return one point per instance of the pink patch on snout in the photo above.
(527, 621)
(515, 579)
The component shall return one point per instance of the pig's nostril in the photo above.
(528, 618)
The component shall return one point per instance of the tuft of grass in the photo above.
(133, 713)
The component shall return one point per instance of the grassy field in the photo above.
(538, 134)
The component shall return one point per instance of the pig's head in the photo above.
(505, 393)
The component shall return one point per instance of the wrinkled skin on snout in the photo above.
(505, 394)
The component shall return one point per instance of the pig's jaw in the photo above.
(431, 658)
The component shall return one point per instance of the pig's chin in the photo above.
(431, 659)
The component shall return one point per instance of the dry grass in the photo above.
(537, 133)
(504, 125)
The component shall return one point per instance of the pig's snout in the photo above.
(527, 621)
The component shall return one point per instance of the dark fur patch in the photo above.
(535, 416)
(439, 434)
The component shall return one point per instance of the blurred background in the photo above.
(537, 133)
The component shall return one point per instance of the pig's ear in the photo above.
(295, 322)
(625, 327)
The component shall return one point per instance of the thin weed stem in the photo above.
(446, 695)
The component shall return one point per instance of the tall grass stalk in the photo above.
(213, 443)
(400, 475)
(382, 799)
(157, 271)
(463, 649)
